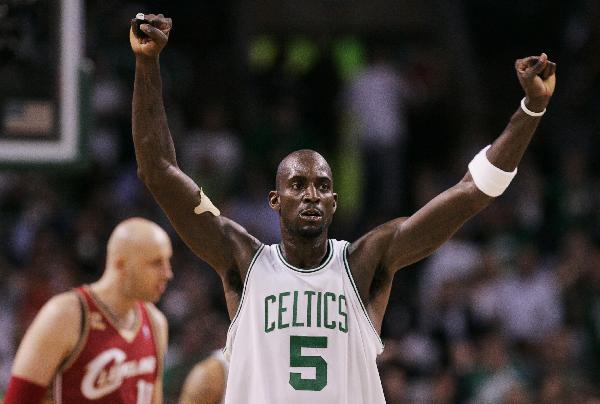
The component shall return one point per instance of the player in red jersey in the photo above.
(104, 342)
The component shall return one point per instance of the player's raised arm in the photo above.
(47, 343)
(404, 241)
(217, 240)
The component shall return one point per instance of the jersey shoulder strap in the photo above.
(83, 330)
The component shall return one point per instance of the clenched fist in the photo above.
(157, 34)
(537, 77)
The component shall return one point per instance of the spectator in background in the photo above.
(281, 130)
(247, 207)
(529, 305)
(448, 267)
(211, 150)
(575, 195)
(393, 380)
(494, 376)
(377, 99)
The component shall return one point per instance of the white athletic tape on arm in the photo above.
(530, 112)
(206, 205)
(488, 178)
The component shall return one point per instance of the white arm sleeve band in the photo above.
(488, 178)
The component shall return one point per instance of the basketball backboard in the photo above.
(41, 50)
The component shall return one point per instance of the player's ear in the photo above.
(335, 200)
(274, 200)
(120, 264)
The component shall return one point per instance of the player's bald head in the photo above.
(298, 161)
(134, 237)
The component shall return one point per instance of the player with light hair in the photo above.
(104, 342)
(306, 322)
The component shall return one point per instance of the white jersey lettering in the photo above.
(100, 380)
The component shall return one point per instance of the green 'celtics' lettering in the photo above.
(343, 312)
(330, 325)
(269, 327)
(310, 295)
(295, 323)
(319, 294)
(297, 308)
(280, 323)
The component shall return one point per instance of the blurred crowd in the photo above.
(508, 311)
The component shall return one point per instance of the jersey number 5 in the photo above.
(297, 360)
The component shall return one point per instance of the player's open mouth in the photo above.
(311, 214)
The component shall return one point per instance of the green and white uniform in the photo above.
(302, 336)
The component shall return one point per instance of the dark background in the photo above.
(507, 311)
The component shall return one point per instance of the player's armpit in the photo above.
(49, 339)
(366, 257)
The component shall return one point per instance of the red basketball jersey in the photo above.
(105, 368)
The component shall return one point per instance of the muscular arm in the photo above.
(401, 242)
(438, 220)
(217, 240)
(50, 338)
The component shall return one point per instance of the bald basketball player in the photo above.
(104, 342)
(206, 382)
(306, 313)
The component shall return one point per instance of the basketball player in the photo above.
(104, 342)
(306, 329)
(206, 382)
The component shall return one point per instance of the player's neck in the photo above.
(304, 252)
(111, 299)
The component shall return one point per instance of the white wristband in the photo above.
(530, 112)
(488, 178)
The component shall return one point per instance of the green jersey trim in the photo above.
(245, 288)
(347, 267)
(309, 270)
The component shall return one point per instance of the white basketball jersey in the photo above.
(302, 336)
